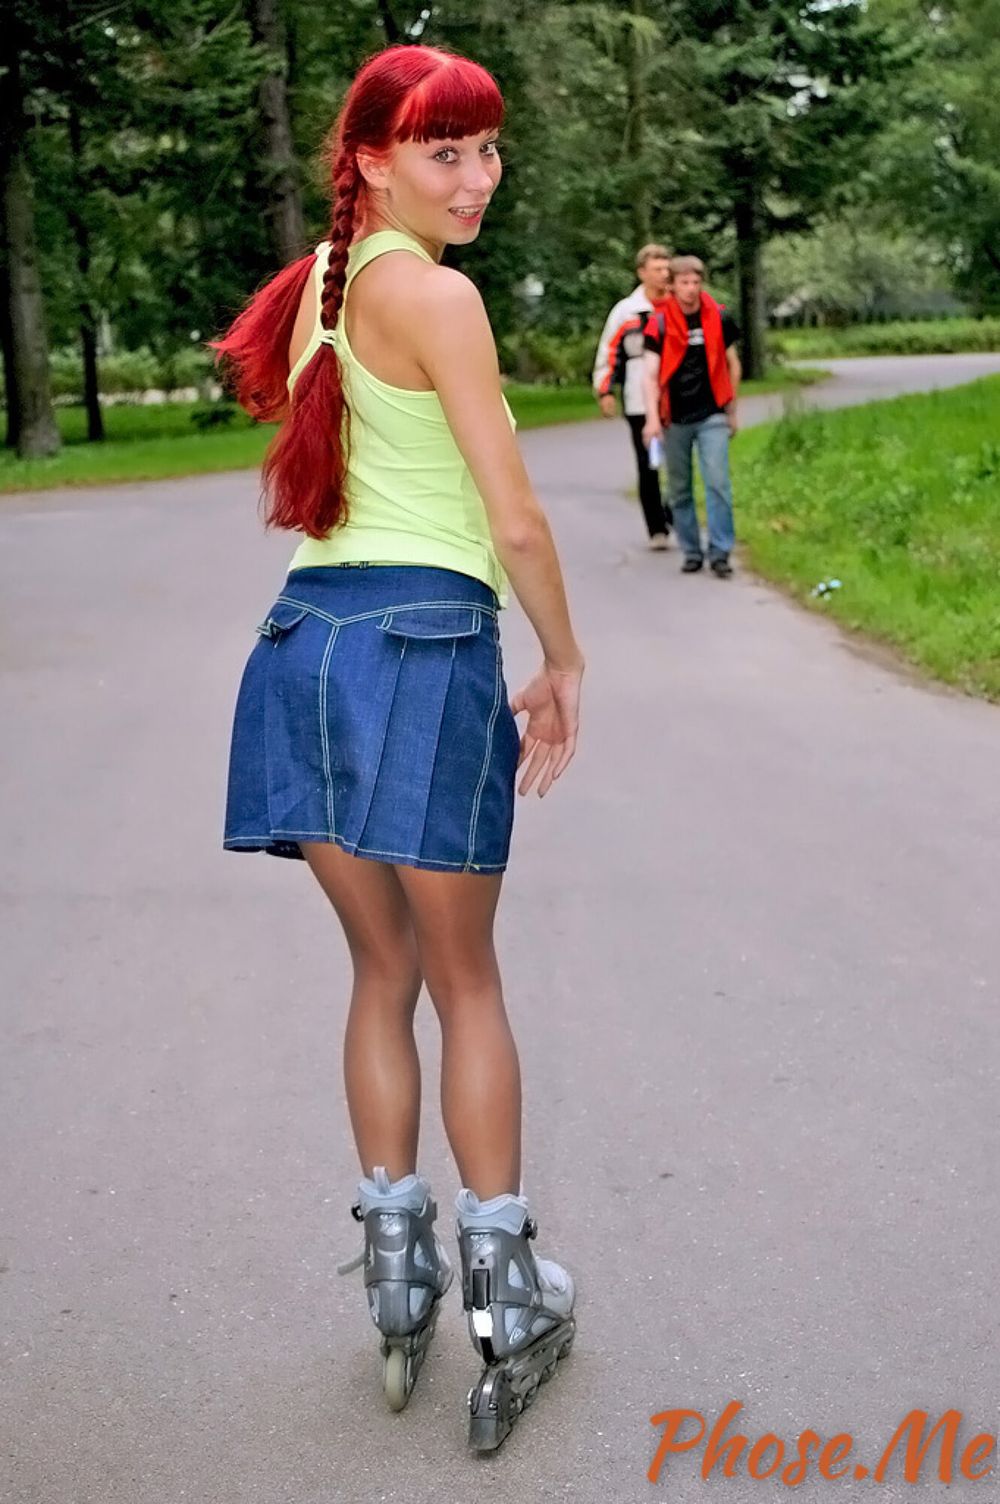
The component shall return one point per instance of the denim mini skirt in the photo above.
(373, 713)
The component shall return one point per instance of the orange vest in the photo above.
(671, 327)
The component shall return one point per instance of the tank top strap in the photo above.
(361, 254)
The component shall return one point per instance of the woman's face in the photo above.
(436, 190)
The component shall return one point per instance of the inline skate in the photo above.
(520, 1312)
(406, 1272)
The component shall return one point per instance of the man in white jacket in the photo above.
(620, 361)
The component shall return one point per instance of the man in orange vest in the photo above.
(691, 377)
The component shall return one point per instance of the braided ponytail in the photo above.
(305, 465)
(347, 182)
(406, 93)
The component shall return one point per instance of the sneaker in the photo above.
(658, 542)
(692, 564)
(721, 568)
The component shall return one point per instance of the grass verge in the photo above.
(913, 337)
(157, 443)
(900, 501)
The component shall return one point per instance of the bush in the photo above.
(208, 415)
(130, 371)
(919, 337)
(555, 359)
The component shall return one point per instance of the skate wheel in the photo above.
(397, 1383)
(492, 1411)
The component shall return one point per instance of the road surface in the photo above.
(752, 956)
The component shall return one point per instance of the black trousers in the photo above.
(659, 517)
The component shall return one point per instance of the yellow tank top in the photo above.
(410, 495)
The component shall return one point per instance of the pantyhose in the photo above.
(406, 926)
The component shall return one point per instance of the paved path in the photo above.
(752, 955)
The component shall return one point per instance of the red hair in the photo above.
(407, 93)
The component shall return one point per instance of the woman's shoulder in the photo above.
(425, 307)
(408, 283)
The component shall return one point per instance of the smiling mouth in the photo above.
(469, 213)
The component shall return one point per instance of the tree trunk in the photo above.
(7, 342)
(284, 211)
(88, 323)
(393, 34)
(91, 383)
(37, 432)
(635, 136)
(749, 249)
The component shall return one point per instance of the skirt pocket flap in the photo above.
(282, 617)
(432, 621)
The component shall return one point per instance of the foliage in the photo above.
(627, 120)
(939, 164)
(163, 96)
(852, 268)
(921, 337)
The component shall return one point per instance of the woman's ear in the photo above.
(374, 169)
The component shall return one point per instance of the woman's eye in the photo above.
(490, 148)
(446, 154)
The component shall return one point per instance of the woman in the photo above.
(373, 735)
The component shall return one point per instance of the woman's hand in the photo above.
(552, 700)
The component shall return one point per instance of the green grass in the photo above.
(900, 501)
(781, 378)
(916, 337)
(142, 443)
(155, 443)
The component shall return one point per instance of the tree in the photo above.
(939, 166)
(784, 96)
(858, 265)
(26, 360)
(280, 165)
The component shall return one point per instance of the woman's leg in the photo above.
(452, 915)
(381, 1065)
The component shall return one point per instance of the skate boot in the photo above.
(406, 1273)
(520, 1312)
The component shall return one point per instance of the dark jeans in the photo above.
(659, 517)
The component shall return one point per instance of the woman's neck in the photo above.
(373, 224)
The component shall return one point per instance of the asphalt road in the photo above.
(752, 956)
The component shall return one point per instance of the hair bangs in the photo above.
(459, 98)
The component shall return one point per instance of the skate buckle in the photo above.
(482, 1323)
(357, 1213)
(531, 1228)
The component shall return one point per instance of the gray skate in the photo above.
(520, 1312)
(406, 1272)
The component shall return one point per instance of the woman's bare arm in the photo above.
(453, 342)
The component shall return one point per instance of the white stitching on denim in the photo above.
(342, 841)
(474, 818)
(324, 735)
(385, 626)
(343, 621)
